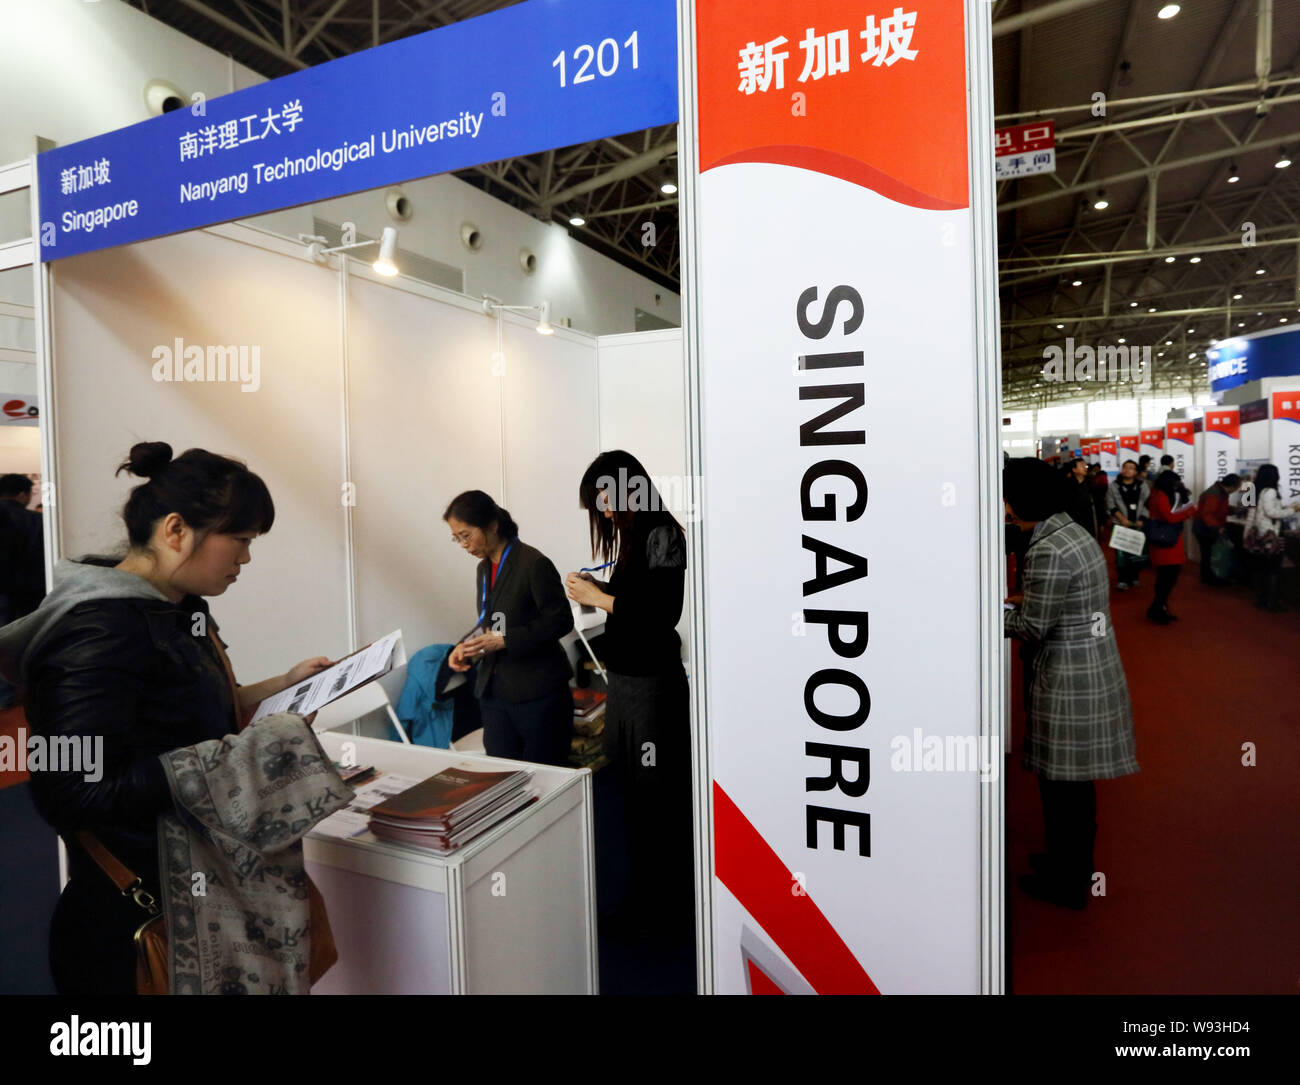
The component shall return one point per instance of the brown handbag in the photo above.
(152, 960)
(151, 954)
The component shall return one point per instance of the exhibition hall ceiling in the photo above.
(1152, 117)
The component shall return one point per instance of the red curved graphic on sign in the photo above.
(881, 84)
(16, 408)
(746, 864)
(842, 166)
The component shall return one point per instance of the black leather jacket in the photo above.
(134, 672)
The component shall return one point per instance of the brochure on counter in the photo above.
(364, 665)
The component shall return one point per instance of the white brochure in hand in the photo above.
(362, 666)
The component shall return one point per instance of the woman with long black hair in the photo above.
(1262, 537)
(647, 715)
(522, 675)
(125, 651)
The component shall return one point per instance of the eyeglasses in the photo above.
(462, 538)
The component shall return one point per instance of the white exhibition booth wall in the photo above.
(423, 424)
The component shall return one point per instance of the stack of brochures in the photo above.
(446, 810)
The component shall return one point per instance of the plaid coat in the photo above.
(1080, 723)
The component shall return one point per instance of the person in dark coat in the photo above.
(22, 550)
(1079, 504)
(1168, 560)
(1080, 720)
(647, 714)
(521, 670)
(124, 653)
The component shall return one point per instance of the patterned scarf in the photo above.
(233, 883)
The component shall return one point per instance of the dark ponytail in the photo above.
(210, 493)
(477, 509)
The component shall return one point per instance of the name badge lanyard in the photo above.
(482, 613)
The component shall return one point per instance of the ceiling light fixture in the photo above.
(543, 311)
(1168, 11)
(383, 265)
(1195, 260)
(1283, 159)
(1233, 175)
(1100, 203)
(1077, 282)
(1170, 259)
(577, 220)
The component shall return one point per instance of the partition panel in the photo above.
(118, 315)
(424, 427)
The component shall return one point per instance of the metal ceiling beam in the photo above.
(242, 31)
(1039, 15)
(1134, 174)
(628, 168)
(320, 25)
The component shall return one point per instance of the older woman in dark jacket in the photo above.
(122, 656)
(1080, 722)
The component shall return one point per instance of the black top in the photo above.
(134, 672)
(530, 598)
(22, 558)
(648, 584)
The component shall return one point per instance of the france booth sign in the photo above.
(548, 73)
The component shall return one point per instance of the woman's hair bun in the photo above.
(147, 458)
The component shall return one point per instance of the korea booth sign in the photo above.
(844, 597)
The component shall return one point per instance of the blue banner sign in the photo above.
(1234, 362)
(542, 74)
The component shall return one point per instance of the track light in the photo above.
(494, 308)
(383, 264)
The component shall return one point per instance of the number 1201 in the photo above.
(605, 55)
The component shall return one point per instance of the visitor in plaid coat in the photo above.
(1080, 721)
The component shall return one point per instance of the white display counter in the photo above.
(511, 912)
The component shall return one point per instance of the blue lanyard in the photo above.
(482, 614)
(596, 568)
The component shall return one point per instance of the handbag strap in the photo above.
(128, 883)
(230, 674)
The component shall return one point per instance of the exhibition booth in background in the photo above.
(833, 853)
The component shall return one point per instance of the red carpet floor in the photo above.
(1201, 854)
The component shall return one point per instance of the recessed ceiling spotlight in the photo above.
(1122, 339)
(1241, 324)
(1077, 282)
(1132, 305)
(1170, 259)
(577, 220)
(1261, 270)
(1236, 297)
(1191, 331)
(1168, 11)
(1059, 327)
(1195, 260)
(1169, 342)
(1152, 309)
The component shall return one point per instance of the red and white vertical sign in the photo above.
(1284, 440)
(1108, 456)
(1178, 443)
(1129, 447)
(1153, 445)
(1220, 444)
(833, 204)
